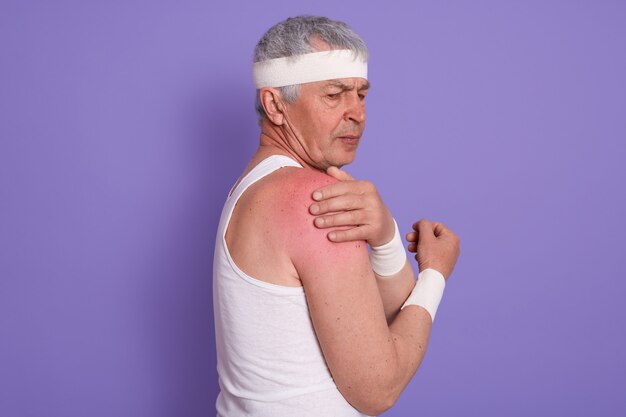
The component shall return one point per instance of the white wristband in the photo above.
(388, 259)
(427, 292)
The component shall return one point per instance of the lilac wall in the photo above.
(123, 124)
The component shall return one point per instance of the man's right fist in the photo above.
(435, 245)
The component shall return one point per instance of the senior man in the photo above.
(308, 323)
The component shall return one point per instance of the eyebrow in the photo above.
(343, 86)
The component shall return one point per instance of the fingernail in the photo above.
(317, 195)
(319, 221)
(315, 208)
(332, 235)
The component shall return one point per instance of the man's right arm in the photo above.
(371, 362)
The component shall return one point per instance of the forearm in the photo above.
(391, 370)
(411, 328)
(410, 332)
(376, 380)
(395, 289)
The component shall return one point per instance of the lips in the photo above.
(351, 138)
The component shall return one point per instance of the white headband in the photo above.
(307, 68)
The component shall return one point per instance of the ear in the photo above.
(273, 105)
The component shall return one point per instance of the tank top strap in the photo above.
(262, 169)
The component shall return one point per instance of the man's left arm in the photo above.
(358, 204)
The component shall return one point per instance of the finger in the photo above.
(342, 203)
(416, 225)
(354, 234)
(412, 247)
(441, 230)
(338, 188)
(339, 174)
(344, 218)
(425, 229)
(438, 228)
(412, 236)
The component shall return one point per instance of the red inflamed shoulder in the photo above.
(305, 242)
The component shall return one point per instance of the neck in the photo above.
(281, 140)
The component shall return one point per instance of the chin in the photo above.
(345, 160)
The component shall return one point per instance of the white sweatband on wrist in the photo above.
(308, 68)
(427, 292)
(389, 259)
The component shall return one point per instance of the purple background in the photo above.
(124, 124)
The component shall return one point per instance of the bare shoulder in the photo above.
(297, 184)
(264, 222)
(273, 216)
(286, 188)
(281, 202)
(293, 195)
(286, 194)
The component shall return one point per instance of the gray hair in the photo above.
(291, 37)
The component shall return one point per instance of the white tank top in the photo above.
(268, 358)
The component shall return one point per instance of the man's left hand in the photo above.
(352, 203)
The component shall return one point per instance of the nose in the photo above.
(355, 108)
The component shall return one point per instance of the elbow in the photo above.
(385, 403)
(375, 405)
(377, 387)
(372, 399)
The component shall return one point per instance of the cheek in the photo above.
(326, 117)
(312, 122)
